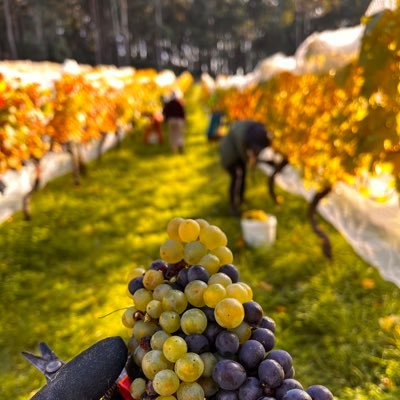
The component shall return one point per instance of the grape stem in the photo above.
(112, 312)
(312, 215)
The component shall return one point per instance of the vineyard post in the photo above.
(271, 178)
(36, 184)
(312, 216)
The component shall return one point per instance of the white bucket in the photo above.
(259, 233)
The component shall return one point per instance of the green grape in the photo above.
(170, 321)
(210, 263)
(190, 391)
(141, 298)
(138, 387)
(153, 362)
(249, 291)
(132, 344)
(166, 398)
(212, 237)
(202, 223)
(220, 278)
(174, 300)
(209, 361)
(160, 291)
(174, 347)
(237, 291)
(188, 230)
(193, 321)
(243, 331)
(154, 309)
(189, 367)
(214, 294)
(171, 251)
(152, 279)
(224, 255)
(128, 317)
(166, 382)
(135, 273)
(193, 252)
(172, 228)
(142, 329)
(138, 355)
(194, 293)
(209, 386)
(229, 313)
(158, 339)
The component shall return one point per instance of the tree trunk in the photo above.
(123, 6)
(100, 145)
(10, 32)
(94, 11)
(158, 19)
(26, 200)
(271, 179)
(72, 150)
(312, 216)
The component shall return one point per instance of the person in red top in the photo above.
(174, 116)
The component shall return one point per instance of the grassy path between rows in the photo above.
(68, 267)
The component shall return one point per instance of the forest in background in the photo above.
(214, 36)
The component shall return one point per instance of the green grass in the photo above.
(66, 268)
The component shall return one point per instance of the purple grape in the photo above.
(265, 337)
(197, 343)
(135, 284)
(269, 392)
(283, 358)
(319, 392)
(287, 384)
(226, 395)
(173, 269)
(209, 312)
(268, 323)
(290, 374)
(253, 312)
(198, 272)
(250, 390)
(150, 389)
(297, 394)
(229, 375)
(212, 331)
(182, 278)
(144, 343)
(271, 373)
(266, 398)
(159, 265)
(231, 271)
(227, 343)
(251, 353)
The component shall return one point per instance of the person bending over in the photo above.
(241, 145)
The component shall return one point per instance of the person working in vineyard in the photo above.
(174, 116)
(241, 146)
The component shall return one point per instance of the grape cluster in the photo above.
(196, 330)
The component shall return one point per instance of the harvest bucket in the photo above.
(259, 233)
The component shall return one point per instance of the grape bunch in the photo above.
(196, 330)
